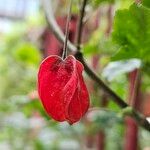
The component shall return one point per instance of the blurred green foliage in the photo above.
(27, 53)
(98, 2)
(146, 3)
(23, 121)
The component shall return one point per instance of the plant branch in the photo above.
(101, 84)
(60, 36)
(80, 24)
(88, 70)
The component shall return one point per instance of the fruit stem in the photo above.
(80, 24)
(64, 55)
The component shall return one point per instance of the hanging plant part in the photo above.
(62, 89)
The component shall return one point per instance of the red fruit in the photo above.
(62, 89)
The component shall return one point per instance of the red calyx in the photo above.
(62, 89)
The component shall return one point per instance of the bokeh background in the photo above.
(116, 51)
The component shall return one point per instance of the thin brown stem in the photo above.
(80, 24)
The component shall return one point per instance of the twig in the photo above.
(60, 36)
(88, 70)
(80, 24)
(101, 84)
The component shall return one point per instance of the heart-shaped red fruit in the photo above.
(62, 89)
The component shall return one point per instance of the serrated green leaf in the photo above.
(132, 33)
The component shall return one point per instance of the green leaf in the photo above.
(131, 31)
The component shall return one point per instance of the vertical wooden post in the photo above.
(131, 135)
(101, 140)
